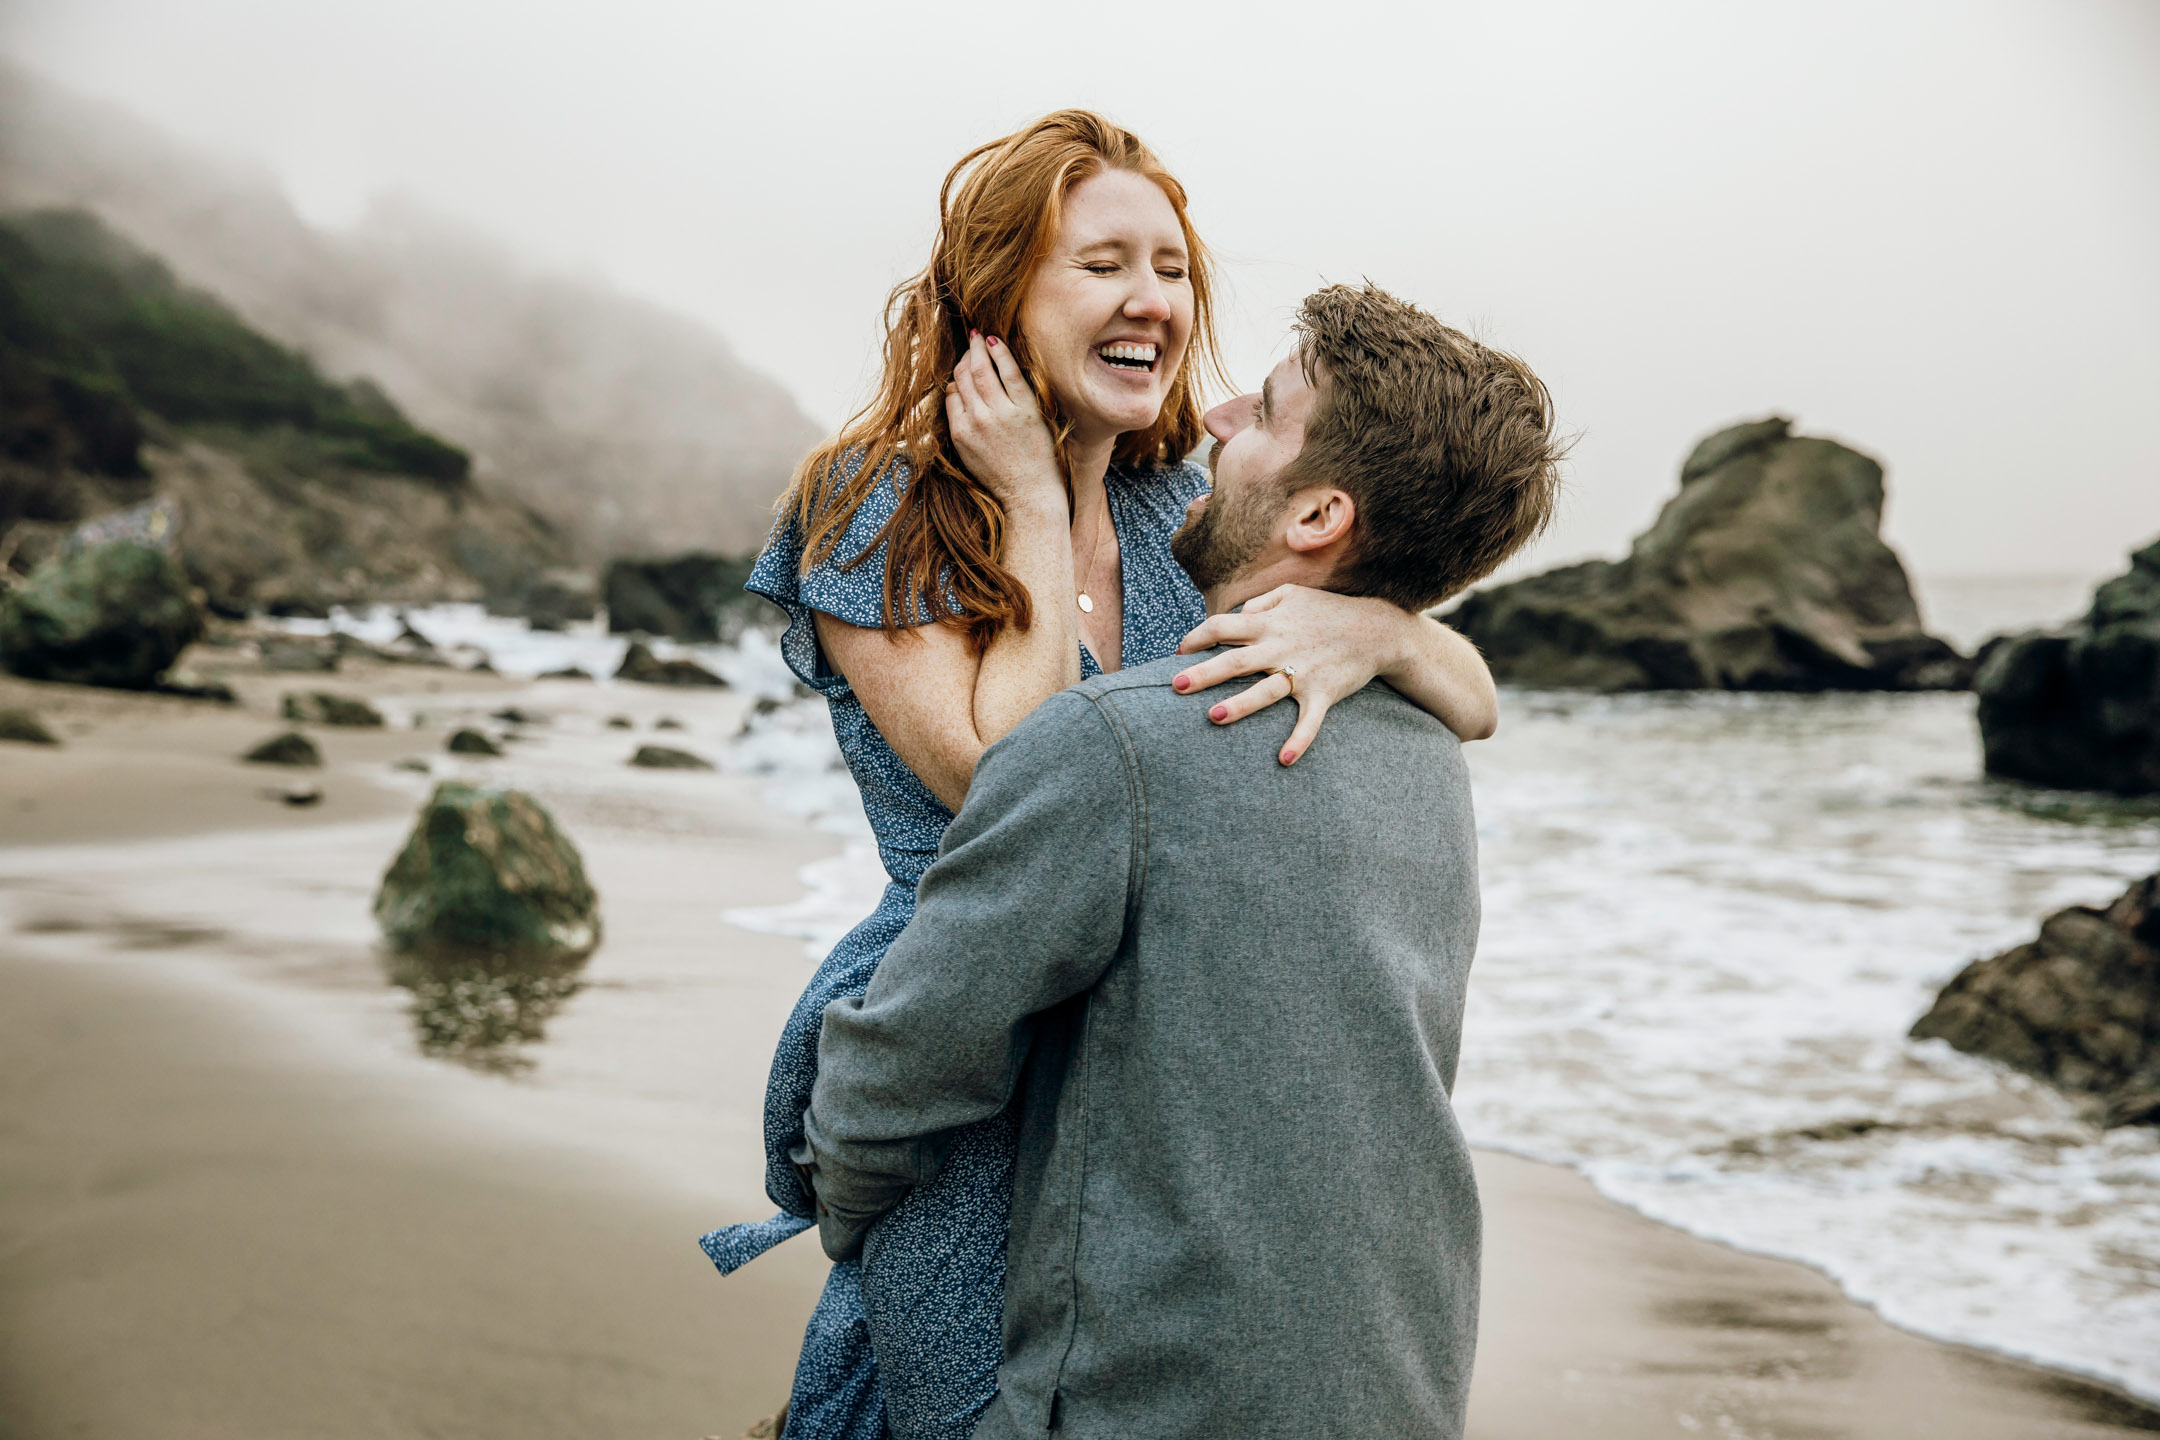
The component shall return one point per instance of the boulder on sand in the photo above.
(2079, 708)
(320, 707)
(1766, 572)
(487, 873)
(117, 614)
(2079, 1006)
(640, 664)
(290, 748)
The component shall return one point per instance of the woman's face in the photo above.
(1108, 312)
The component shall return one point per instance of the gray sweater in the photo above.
(1229, 997)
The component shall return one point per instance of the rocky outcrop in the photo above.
(630, 428)
(486, 873)
(120, 385)
(2079, 708)
(2079, 1006)
(320, 707)
(688, 597)
(116, 615)
(1766, 572)
(640, 664)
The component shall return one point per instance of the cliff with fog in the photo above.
(631, 429)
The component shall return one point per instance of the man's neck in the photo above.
(1285, 568)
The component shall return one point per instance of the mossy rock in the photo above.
(291, 748)
(486, 872)
(24, 728)
(116, 615)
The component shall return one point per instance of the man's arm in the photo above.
(1024, 908)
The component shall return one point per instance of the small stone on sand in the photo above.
(663, 757)
(472, 742)
(320, 707)
(291, 748)
(24, 728)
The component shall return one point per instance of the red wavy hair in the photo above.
(998, 217)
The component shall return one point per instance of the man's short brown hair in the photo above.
(1445, 445)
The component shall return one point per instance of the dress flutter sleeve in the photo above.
(848, 584)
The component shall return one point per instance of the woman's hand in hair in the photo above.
(1337, 644)
(1000, 432)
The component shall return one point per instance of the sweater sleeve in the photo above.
(1026, 907)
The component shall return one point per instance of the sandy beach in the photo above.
(236, 1199)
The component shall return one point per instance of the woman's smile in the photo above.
(1131, 357)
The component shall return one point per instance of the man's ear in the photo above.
(1319, 517)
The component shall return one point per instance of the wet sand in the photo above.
(235, 1201)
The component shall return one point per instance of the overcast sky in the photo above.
(1929, 229)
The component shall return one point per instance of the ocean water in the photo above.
(1709, 923)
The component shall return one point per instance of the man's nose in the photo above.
(1148, 300)
(1228, 418)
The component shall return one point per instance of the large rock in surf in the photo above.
(687, 597)
(487, 874)
(1766, 572)
(2079, 1006)
(2079, 708)
(116, 615)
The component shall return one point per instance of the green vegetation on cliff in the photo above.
(92, 327)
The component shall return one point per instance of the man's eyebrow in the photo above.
(1267, 399)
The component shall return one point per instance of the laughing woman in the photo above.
(992, 528)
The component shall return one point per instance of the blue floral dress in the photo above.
(909, 1335)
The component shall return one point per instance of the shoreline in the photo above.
(215, 1220)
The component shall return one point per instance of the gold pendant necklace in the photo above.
(1087, 602)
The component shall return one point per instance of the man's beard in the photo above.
(1220, 541)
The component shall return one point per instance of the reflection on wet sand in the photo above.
(481, 1008)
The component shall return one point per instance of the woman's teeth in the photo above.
(1126, 356)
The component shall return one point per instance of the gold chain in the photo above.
(1087, 602)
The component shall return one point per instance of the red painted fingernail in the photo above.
(1220, 712)
(1181, 683)
(1289, 757)
(993, 340)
